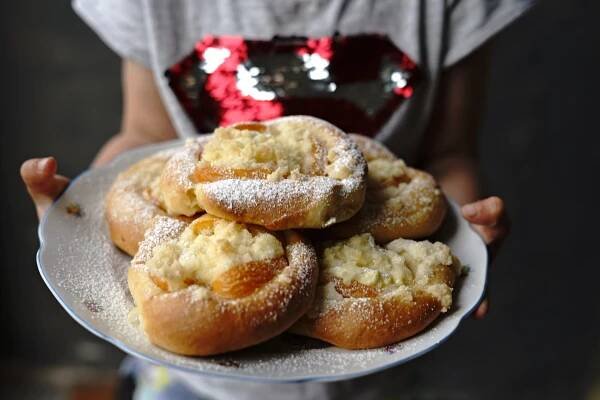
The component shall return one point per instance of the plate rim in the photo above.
(231, 374)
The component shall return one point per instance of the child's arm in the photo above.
(144, 120)
(450, 148)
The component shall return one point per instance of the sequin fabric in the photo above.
(355, 82)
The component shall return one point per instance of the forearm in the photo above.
(458, 177)
(145, 119)
(449, 150)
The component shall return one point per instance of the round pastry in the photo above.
(400, 201)
(134, 200)
(175, 184)
(370, 296)
(372, 149)
(290, 172)
(215, 285)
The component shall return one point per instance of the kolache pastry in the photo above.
(134, 200)
(175, 184)
(290, 172)
(215, 285)
(370, 296)
(238, 275)
(400, 201)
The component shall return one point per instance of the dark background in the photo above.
(60, 96)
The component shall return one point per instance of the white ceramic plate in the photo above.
(87, 275)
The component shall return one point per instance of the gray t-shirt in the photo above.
(435, 34)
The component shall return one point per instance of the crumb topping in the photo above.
(208, 248)
(399, 268)
(276, 153)
(385, 172)
(287, 149)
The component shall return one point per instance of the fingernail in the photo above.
(469, 210)
(42, 164)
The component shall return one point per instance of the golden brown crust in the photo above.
(199, 321)
(372, 149)
(358, 316)
(313, 201)
(362, 323)
(281, 206)
(175, 184)
(132, 202)
(418, 212)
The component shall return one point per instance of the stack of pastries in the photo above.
(289, 224)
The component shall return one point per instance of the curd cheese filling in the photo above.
(292, 149)
(277, 152)
(401, 267)
(208, 248)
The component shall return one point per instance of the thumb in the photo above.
(487, 212)
(42, 182)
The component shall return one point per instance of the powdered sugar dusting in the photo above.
(337, 195)
(175, 182)
(371, 149)
(236, 194)
(183, 163)
(405, 203)
(134, 194)
(80, 264)
(290, 291)
(398, 199)
(162, 230)
(93, 271)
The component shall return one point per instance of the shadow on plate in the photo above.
(279, 347)
(448, 228)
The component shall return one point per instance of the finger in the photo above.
(39, 175)
(482, 309)
(484, 212)
(42, 182)
(492, 234)
(42, 203)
